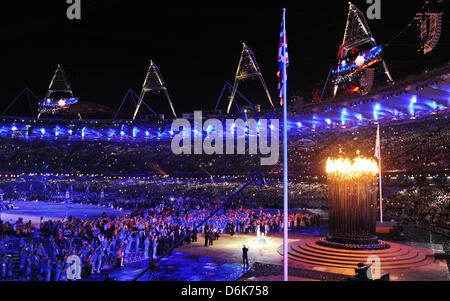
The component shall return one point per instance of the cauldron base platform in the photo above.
(367, 243)
(397, 256)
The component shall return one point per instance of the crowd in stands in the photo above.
(46, 253)
(413, 145)
(137, 193)
(420, 205)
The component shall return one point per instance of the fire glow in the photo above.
(355, 168)
(352, 195)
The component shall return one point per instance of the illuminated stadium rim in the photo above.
(140, 132)
(404, 101)
(419, 96)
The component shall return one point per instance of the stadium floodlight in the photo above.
(247, 68)
(357, 33)
(153, 83)
(53, 100)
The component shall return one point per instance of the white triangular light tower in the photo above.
(153, 83)
(59, 83)
(60, 86)
(247, 68)
(357, 33)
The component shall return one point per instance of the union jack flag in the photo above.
(283, 58)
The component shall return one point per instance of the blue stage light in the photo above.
(343, 114)
(376, 110)
(328, 121)
(43, 131)
(412, 101)
(375, 115)
(135, 131)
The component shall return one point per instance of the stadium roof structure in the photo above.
(135, 99)
(29, 96)
(417, 97)
(414, 97)
(230, 89)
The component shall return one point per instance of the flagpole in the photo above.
(379, 174)
(285, 159)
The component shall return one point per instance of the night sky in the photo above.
(196, 46)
